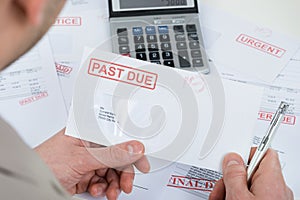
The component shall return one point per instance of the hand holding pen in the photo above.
(266, 180)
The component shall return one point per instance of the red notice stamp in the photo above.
(63, 69)
(33, 98)
(261, 45)
(122, 73)
(191, 183)
(68, 21)
(267, 116)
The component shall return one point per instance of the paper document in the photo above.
(80, 24)
(286, 140)
(285, 87)
(173, 112)
(250, 49)
(175, 181)
(289, 77)
(190, 183)
(30, 95)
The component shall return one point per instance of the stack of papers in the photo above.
(81, 24)
(279, 75)
(250, 58)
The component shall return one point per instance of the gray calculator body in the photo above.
(165, 32)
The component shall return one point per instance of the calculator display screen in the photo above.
(133, 5)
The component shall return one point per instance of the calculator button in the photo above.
(193, 36)
(138, 39)
(164, 38)
(178, 21)
(167, 55)
(122, 32)
(169, 63)
(191, 28)
(163, 29)
(156, 61)
(137, 31)
(183, 54)
(180, 37)
(123, 40)
(151, 38)
(183, 58)
(124, 49)
(181, 45)
(140, 48)
(178, 29)
(194, 45)
(198, 62)
(154, 56)
(150, 30)
(152, 47)
(141, 56)
(165, 46)
(196, 53)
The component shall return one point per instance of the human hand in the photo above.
(266, 183)
(86, 167)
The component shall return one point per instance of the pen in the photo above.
(266, 141)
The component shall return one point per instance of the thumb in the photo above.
(235, 177)
(115, 156)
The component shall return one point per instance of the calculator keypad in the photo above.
(154, 44)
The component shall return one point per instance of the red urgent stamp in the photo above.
(34, 98)
(63, 69)
(267, 116)
(191, 183)
(68, 21)
(261, 45)
(122, 73)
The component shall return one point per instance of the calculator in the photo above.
(165, 32)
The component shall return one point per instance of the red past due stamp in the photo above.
(267, 116)
(122, 73)
(34, 98)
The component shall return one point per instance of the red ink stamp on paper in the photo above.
(267, 116)
(68, 21)
(63, 69)
(195, 81)
(33, 98)
(261, 45)
(191, 183)
(122, 73)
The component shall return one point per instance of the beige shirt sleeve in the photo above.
(23, 175)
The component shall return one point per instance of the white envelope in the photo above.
(178, 115)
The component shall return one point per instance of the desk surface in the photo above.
(282, 16)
